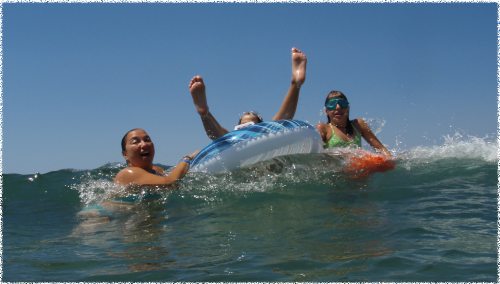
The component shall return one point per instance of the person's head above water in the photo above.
(250, 116)
(337, 107)
(138, 149)
(337, 110)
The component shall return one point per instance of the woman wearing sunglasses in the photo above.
(340, 131)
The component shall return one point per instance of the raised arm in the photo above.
(289, 104)
(212, 127)
(370, 137)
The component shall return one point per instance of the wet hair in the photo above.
(256, 114)
(339, 94)
(124, 139)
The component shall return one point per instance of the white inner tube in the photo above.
(257, 143)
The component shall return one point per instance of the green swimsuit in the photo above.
(336, 141)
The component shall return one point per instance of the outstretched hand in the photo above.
(192, 155)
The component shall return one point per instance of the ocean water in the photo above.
(298, 218)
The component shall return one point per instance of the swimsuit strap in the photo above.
(336, 141)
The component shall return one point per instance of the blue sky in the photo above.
(77, 76)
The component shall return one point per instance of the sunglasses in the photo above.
(332, 103)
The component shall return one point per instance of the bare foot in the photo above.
(197, 90)
(299, 62)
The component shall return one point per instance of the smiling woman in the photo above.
(139, 151)
(342, 132)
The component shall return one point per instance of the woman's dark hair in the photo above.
(339, 94)
(252, 113)
(124, 141)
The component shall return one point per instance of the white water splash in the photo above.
(95, 191)
(456, 146)
(376, 124)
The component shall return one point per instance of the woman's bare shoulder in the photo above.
(128, 175)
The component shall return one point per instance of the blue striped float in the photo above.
(257, 143)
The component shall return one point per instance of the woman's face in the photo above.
(338, 114)
(249, 117)
(139, 149)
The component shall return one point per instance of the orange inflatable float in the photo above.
(361, 164)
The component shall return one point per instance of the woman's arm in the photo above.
(139, 176)
(321, 128)
(370, 137)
